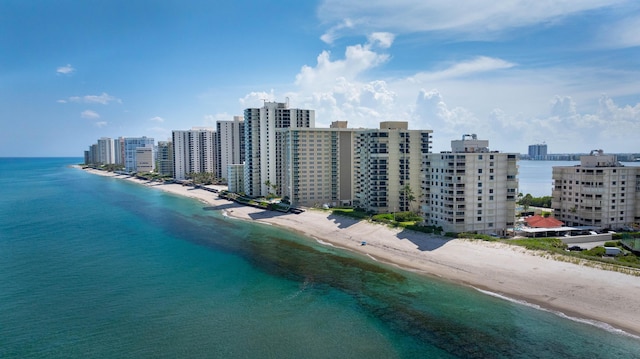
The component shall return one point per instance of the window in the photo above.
(490, 198)
(480, 170)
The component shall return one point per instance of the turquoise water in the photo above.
(99, 267)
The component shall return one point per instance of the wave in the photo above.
(594, 323)
(323, 242)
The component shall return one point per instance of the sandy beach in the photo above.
(576, 290)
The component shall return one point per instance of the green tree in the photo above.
(525, 202)
(409, 196)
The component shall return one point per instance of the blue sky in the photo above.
(566, 73)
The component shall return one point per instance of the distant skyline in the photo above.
(566, 73)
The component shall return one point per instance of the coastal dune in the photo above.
(578, 291)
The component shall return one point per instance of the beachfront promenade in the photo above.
(514, 272)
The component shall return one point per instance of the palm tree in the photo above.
(409, 197)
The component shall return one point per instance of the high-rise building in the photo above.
(470, 188)
(538, 152)
(263, 144)
(318, 165)
(131, 144)
(388, 163)
(230, 149)
(235, 180)
(600, 192)
(144, 159)
(194, 152)
(106, 151)
(118, 149)
(164, 158)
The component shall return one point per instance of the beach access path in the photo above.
(578, 291)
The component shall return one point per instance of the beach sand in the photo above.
(578, 291)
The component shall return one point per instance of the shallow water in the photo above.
(99, 267)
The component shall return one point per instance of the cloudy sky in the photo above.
(562, 72)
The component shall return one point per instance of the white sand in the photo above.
(576, 290)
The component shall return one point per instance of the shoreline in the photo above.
(599, 297)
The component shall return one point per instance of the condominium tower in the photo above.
(318, 165)
(470, 188)
(194, 152)
(263, 144)
(131, 145)
(388, 163)
(164, 160)
(538, 152)
(106, 151)
(600, 192)
(230, 149)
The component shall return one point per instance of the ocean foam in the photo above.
(560, 314)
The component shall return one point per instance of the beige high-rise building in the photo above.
(367, 168)
(600, 192)
(388, 163)
(470, 188)
(144, 159)
(318, 165)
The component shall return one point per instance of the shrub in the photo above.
(595, 252)
(612, 244)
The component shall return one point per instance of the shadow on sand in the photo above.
(424, 241)
(343, 221)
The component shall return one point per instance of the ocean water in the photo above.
(96, 267)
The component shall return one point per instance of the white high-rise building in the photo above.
(194, 152)
(388, 163)
(106, 151)
(230, 148)
(471, 189)
(131, 145)
(600, 192)
(235, 180)
(263, 144)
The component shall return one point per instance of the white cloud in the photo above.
(332, 33)
(65, 70)
(61, 101)
(157, 119)
(382, 39)
(101, 124)
(103, 99)
(256, 99)
(478, 19)
(89, 114)
(358, 58)
(479, 64)
(622, 34)
(492, 97)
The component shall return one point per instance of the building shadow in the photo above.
(265, 214)
(343, 221)
(424, 241)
